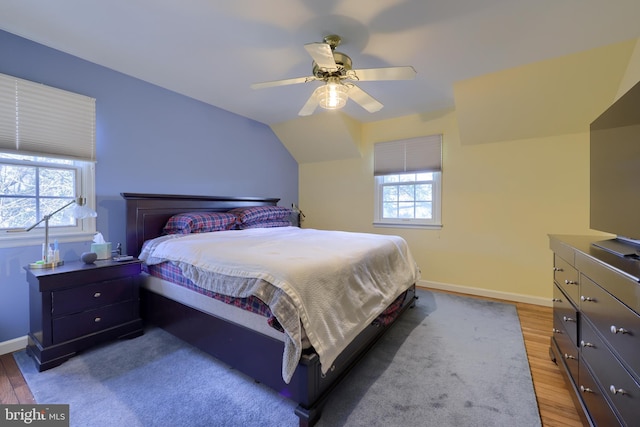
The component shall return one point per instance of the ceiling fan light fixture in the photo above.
(332, 68)
(333, 95)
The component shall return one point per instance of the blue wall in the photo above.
(149, 140)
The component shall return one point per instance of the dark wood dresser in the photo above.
(77, 305)
(596, 332)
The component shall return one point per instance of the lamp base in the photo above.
(42, 264)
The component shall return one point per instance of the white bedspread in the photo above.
(335, 283)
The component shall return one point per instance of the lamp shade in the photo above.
(333, 95)
(81, 210)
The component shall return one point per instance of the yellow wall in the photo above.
(500, 201)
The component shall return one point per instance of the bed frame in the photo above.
(236, 345)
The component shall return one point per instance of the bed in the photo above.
(204, 323)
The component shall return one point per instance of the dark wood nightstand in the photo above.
(77, 305)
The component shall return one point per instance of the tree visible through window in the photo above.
(407, 196)
(32, 187)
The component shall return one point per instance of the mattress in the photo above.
(212, 306)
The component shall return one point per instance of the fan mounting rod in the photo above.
(332, 40)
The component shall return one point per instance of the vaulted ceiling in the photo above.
(213, 51)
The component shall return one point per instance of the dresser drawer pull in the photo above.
(568, 319)
(97, 319)
(568, 356)
(615, 390)
(615, 330)
(587, 299)
(586, 344)
(97, 295)
(585, 389)
(557, 269)
(570, 282)
(556, 331)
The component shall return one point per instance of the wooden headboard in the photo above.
(148, 213)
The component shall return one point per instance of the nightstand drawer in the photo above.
(70, 327)
(566, 277)
(91, 296)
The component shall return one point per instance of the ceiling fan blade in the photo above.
(283, 82)
(322, 55)
(363, 99)
(310, 106)
(389, 73)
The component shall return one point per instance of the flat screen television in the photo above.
(615, 174)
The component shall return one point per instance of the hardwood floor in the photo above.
(13, 388)
(554, 398)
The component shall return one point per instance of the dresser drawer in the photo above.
(566, 277)
(568, 350)
(619, 325)
(595, 400)
(76, 325)
(91, 296)
(565, 314)
(621, 389)
(621, 285)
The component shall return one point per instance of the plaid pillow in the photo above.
(261, 213)
(199, 222)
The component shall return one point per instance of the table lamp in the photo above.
(50, 258)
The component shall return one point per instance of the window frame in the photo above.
(422, 154)
(84, 229)
(436, 208)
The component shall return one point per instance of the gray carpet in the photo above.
(450, 361)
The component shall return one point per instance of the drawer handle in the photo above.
(97, 295)
(587, 299)
(615, 330)
(585, 389)
(568, 356)
(557, 269)
(556, 300)
(556, 331)
(615, 390)
(568, 319)
(570, 282)
(97, 319)
(586, 344)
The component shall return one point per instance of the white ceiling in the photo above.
(213, 50)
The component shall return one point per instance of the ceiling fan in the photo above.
(334, 69)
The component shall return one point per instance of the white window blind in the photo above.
(422, 154)
(39, 119)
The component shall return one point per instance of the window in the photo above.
(47, 154)
(408, 182)
(32, 187)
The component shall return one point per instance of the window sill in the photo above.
(15, 240)
(408, 225)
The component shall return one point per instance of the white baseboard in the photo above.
(507, 296)
(13, 345)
